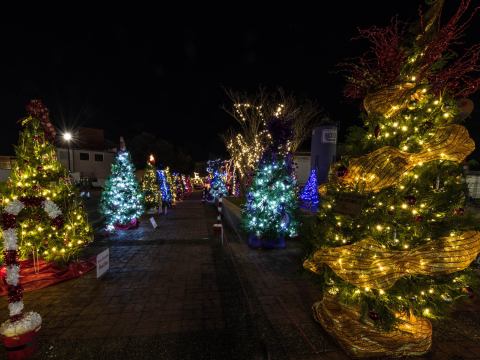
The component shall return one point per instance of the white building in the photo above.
(92, 164)
(88, 156)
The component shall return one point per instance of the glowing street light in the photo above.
(67, 136)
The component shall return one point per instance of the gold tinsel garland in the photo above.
(383, 167)
(360, 339)
(389, 100)
(367, 264)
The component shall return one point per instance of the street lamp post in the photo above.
(68, 138)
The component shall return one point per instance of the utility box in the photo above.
(324, 150)
(302, 167)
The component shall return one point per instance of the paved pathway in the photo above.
(171, 293)
(177, 293)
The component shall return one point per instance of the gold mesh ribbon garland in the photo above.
(389, 100)
(383, 167)
(366, 264)
(413, 336)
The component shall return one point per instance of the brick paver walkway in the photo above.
(177, 293)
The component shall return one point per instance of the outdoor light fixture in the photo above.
(67, 136)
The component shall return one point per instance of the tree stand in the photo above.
(362, 339)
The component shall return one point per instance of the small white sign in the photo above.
(329, 136)
(153, 222)
(103, 262)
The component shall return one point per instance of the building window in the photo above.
(98, 157)
(84, 156)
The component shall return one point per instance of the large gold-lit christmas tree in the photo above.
(53, 223)
(395, 242)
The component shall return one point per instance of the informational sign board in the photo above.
(329, 136)
(153, 222)
(103, 263)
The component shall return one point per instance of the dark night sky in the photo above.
(163, 72)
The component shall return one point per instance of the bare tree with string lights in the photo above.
(247, 145)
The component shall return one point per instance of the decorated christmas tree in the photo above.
(394, 242)
(171, 185)
(42, 216)
(269, 213)
(122, 201)
(150, 188)
(49, 214)
(309, 194)
(187, 184)
(164, 188)
(218, 188)
(179, 186)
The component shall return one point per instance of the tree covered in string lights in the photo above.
(150, 188)
(177, 178)
(53, 222)
(269, 212)
(251, 112)
(171, 185)
(394, 241)
(164, 187)
(309, 193)
(187, 184)
(122, 201)
(218, 188)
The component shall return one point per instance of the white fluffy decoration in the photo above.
(10, 239)
(51, 209)
(13, 274)
(15, 308)
(14, 207)
(29, 322)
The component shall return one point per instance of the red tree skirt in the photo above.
(131, 225)
(49, 273)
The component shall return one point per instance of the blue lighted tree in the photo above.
(309, 194)
(218, 188)
(164, 187)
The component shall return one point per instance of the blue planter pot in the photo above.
(256, 243)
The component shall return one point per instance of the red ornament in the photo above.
(58, 221)
(372, 314)
(410, 199)
(418, 218)
(342, 171)
(376, 131)
(8, 221)
(459, 211)
(465, 108)
(39, 168)
(469, 291)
